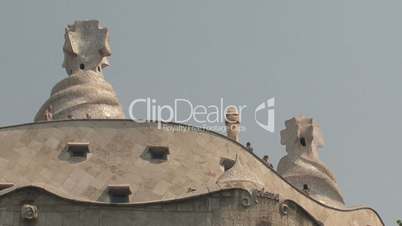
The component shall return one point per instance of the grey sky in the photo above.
(337, 61)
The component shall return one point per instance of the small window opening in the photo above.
(119, 193)
(303, 141)
(99, 69)
(159, 152)
(227, 163)
(5, 185)
(82, 66)
(306, 188)
(78, 149)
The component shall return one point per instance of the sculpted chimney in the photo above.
(302, 167)
(84, 94)
(232, 122)
(86, 47)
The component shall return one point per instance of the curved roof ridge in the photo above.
(49, 191)
(10, 190)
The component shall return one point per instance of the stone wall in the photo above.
(232, 207)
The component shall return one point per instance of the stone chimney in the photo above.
(86, 47)
(302, 167)
(84, 94)
(232, 122)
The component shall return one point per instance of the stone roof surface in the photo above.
(35, 154)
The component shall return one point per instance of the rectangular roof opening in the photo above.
(78, 149)
(119, 193)
(158, 152)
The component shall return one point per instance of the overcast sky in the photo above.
(339, 62)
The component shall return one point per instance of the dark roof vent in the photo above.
(303, 141)
(158, 152)
(119, 193)
(78, 149)
(306, 188)
(227, 163)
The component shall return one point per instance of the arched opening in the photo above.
(303, 141)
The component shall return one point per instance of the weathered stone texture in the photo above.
(34, 154)
(85, 94)
(302, 166)
(217, 209)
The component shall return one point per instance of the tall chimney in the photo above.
(232, 122)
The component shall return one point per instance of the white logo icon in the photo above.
(269, 107)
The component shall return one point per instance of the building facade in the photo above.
(81, 163)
